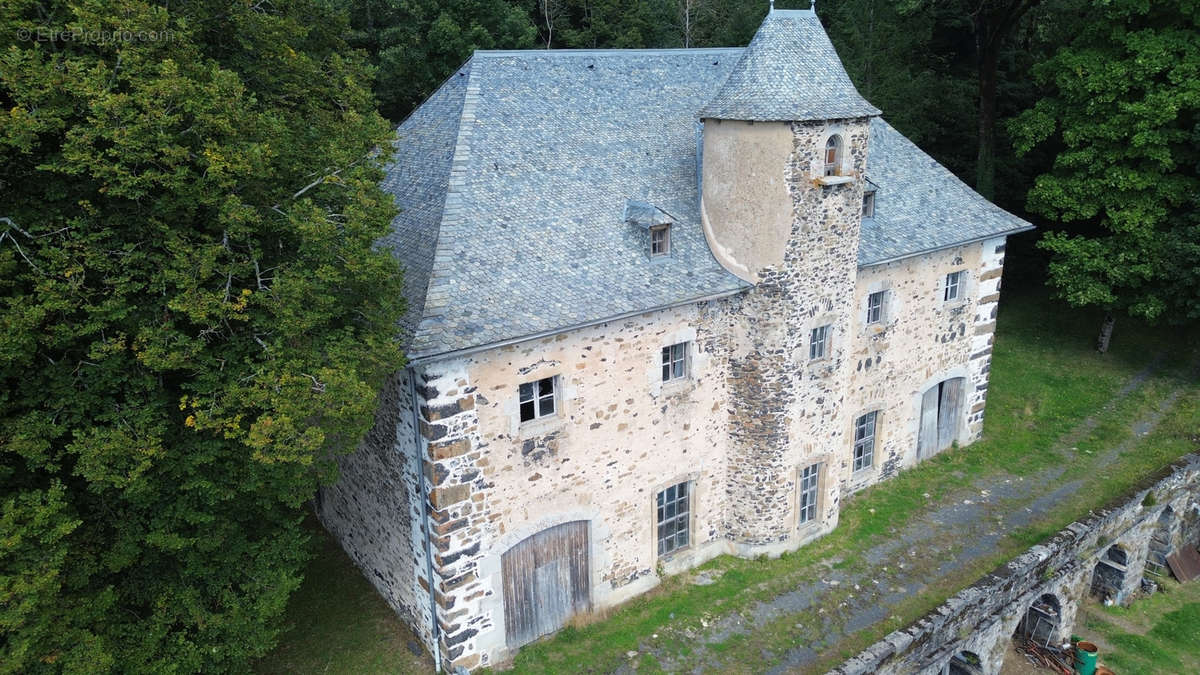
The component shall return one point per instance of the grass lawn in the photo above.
(1157, 634)
(339, 624)
(1046, 379)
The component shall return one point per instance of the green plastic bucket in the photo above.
(1085, 658)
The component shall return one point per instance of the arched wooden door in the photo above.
(941, 411)
(546, 581)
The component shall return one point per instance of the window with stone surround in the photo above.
(864, 441)
(875, 306)
(674, 362)
(818, 346)
(660, 240)
(954, 285)
(868, 204)
(537, 399)
(674, 518)
(809, 497)
(833, 155)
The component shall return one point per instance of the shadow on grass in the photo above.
(338, 623)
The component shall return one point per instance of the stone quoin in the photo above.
(662, 305)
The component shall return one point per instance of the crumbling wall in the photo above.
(983, 617)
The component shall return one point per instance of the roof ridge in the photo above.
(437, 288)
(592, 51)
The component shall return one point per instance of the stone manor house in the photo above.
(663, 305)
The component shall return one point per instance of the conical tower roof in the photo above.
(790, 72)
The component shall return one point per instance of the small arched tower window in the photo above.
(833, 155)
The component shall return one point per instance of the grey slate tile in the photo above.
(515, 176)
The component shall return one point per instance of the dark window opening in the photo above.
(674, 362)
(954, 285)
(833, 155)
(660, 240)
(537, 399)
(875, 307)
(818, 347)
(864, 441)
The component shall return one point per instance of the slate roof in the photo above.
(919, 205)
(549, 148)
(789, 72)
(515, 176)
(418, 178)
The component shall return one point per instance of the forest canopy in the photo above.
(193, 319)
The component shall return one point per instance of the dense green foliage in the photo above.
(192, 318)
(416, 44)
(1123, 107)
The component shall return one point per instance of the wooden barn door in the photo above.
(546, 581)
(941, 408)
(927, 435)
(949, 410)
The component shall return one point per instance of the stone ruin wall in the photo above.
(982, 618)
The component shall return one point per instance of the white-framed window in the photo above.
(875, 306)
(954, 285)
(660, 240)
(809, 496)
(864, 441)
(868, 204)
(537, 398)
(818, 346)
(674, 362)
(673, 510)
(833, 155)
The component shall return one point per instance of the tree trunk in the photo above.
(1106, 330)
(985, 158)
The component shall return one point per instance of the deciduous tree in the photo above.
(193, 319)
(1123, 111)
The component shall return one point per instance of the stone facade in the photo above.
(982, 619)
(923, 339)
(450, 478)
(376, 509)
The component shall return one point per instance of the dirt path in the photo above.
(948, 537)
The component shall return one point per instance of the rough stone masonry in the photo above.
(816, 315)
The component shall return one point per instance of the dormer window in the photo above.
(655, 222)
(660, 240)
(833, 155)
(868, 204)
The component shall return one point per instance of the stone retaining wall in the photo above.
(982, 618)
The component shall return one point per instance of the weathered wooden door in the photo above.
(927, 435)
(941, 408)
(546, 581)
(949, 408)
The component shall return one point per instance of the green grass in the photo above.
(1158, 634)
(1045, 380)
(339, 624)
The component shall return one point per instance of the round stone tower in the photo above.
(783, 159)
